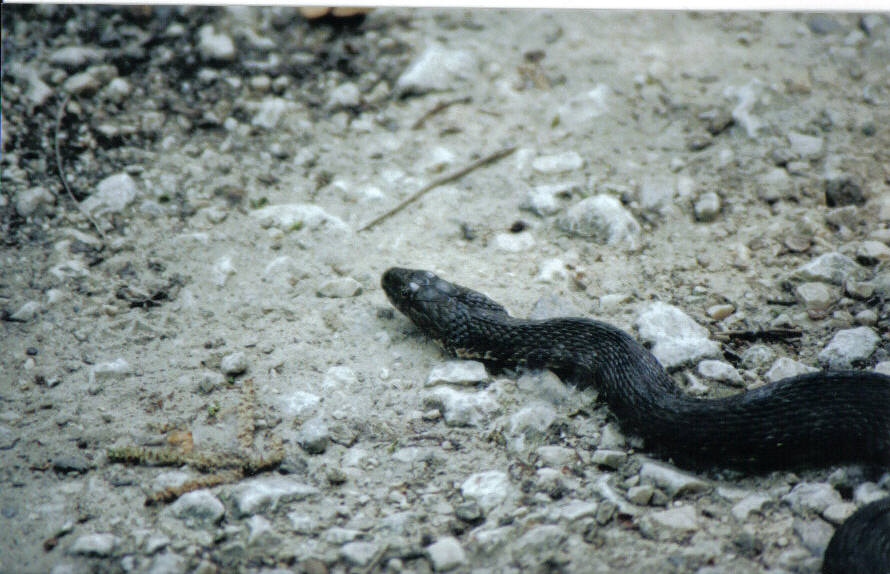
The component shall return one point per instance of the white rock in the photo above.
(461, 408)
(748, 98)
(26, 312)
(670, 480)
(752, 503)
(869, 252)
(110, 369)
(849, 345)
(720, 371)
(222, 269)
(775, 184)
(198, 507)
(586, 106)
(445, 554)
(339, 377)
(339, 287)
(233, 363)
(674, 523)
(677, 339)
(94, 544)
(868, 492)
(270, 111)
(544, 199)
(358, 553)
(296, 216)
(707, 206)
(539, 543)
(805, 146)
(297, 404)
(488, 489)
(609, 457)
(346, 95)
(118, 89)
(816, 296)
(261, 532)
(576, 509)
(338, 535)
(603, 219)
(314, 435)
(883, 367)
(458, 372)
(811, 496)
(831, 268)
(74, 57)
(552, 271)
(215, 46)
(838, 513)
(558, 163)
(112, 195)
(437, 68)
(261, 494)
(656, 193)
(28, 201)
(532, 421)
(784, 367)
(514, 242)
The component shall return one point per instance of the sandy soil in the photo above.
(231, 306)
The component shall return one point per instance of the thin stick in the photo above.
(438, 108)
(481, 162)
(61, 168)
(777, 333)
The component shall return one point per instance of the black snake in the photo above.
(813, 419)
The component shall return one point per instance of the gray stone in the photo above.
(839, 512)
(461, 408)
(260, 533)
(868, 492)
(346, 95)
(869, 252)
(672, 524)
(115, 369)
(609, 458)
(720, 371)
(814, 534)
(816, 296)
(457, 372)
(28, 201)
(293, 216)
(269, 113)
(118, 90)
(94, 544)
(883, 367)
(641, 494)
(841, 190)
(552, 306)
(358, 553)
(438, 68)
(849, 345)
(603, 219)
(314, 436)
(339, 287)
(556, 456)
(198, 507)
(775, 185)
(805, 146)
(487, 489)
(260, 494)
(831, 268)
(112, 195)
(233, 363)
(71, 463)
(445, 554)
(532, 421)
(81, 84)
(298, 403)
(338, 535)
(757, 356)
(339, 377)
(756, 502)
(707, 206)
(222, 269)
(76, 57)
(558, 163)
(671, 480)
(573, 510)
(676, 338)
(784, 367)
(539, 544)
(545, 199)
(215, 47)
(168, 563)
(811, 497)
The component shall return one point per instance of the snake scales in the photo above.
(814, 419)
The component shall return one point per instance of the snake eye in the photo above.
(410, 289)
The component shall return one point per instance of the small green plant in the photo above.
(212, 410)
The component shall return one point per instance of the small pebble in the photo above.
(215, 47)
(816, 296)
(233, 364)
(488, 489)
(707, 207)
(94, 544)
(445, 554)
(784, 367)
(848, 346)
(603, 219)
(805, 146)
(339, 287)
(457, 372)
(557, 164)
(720, 371)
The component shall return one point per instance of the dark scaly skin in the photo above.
(814, 419)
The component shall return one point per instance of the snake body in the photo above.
(814, 419)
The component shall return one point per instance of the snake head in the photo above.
(432, 303)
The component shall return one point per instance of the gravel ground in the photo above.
(200, 372)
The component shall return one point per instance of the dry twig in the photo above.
(481, 162)
(61, 169)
